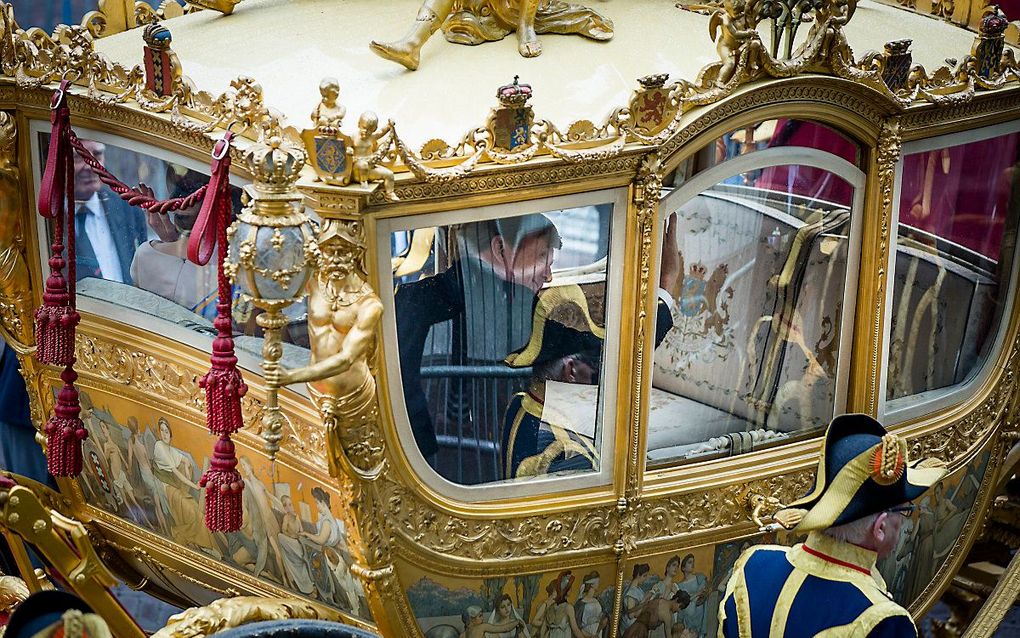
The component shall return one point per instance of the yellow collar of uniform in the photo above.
(821, 547)
(532, 405)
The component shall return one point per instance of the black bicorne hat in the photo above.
(863, 470)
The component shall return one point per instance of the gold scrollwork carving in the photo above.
(227, 613)
(427, 528)
(890, 142)
(15, 284)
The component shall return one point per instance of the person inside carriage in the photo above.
(489, 292)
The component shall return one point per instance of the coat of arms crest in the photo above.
(651, 108)
(511, 123)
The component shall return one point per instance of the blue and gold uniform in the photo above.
(822, 587)
(827, 587)
(530, 449)
(562, 327)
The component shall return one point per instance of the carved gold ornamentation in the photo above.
(491, 20)
(13, 591)
(65, 544)
(370, 152)
(646, 194)
(343, 318)
(427, 528)
(148, 374)
(227, 613)
(15, 283)
(888, 156)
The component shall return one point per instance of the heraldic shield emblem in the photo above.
(651, 109)
(511, 123)
(330, 155)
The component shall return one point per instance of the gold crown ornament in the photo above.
(275, 165)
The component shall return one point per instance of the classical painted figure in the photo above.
(175, 471)
(343, 313)
(477, 21)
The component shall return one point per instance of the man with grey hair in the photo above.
(853, 515)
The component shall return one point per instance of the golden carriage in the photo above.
(841, 238)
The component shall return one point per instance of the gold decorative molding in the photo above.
(228, 613)
(887, 158)
(16, 323)
(34, 58)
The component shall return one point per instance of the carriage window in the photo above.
(500, 326)
(748, 354)
(139, 260)
(768, 134)
(954, 248)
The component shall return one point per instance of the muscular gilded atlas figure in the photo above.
(343, 312)
(478, 21)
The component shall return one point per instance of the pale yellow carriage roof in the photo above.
(289, 45)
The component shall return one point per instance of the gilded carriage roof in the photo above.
(288, 46)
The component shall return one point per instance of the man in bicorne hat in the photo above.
(565, 346)
(828, 585)
(489, 292)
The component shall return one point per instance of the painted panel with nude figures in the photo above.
(570, 603)
(144, 466)
(930, 534)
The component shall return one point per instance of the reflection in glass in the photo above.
(500, 325)
(139, 260)
(799, 180)
(957, 221)
(753, 352)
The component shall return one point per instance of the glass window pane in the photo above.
(752, 356)
(139, 261)
(500, 326)
(768, 134)
(957, 220)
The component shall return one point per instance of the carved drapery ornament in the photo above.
(228, 613)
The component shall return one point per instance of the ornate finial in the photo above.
(156, 36)
(275, 166)
(655, 81)
(514, 95)
(994, 22)
(898, 47)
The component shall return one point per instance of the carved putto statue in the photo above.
(369, 148)
(478, 21)
(328, 114)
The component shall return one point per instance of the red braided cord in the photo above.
(134, 196)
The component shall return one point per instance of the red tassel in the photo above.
(65, 431)
(223, 486)
(223, 384)
(56, 320)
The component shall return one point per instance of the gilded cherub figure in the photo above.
(477, 21)
(730, 27)
(368, 152)
(328, 115)
(343, 314)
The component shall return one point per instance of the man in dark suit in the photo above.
(107, 229)
(489, 293)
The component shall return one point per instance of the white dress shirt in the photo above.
(97, 229)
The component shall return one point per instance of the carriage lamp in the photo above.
(271, 255)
